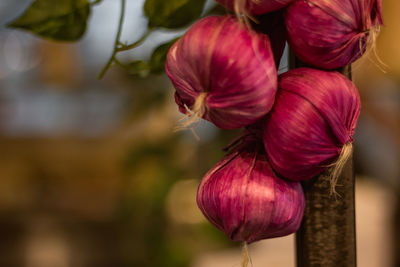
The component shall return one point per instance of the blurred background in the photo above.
(92, 173)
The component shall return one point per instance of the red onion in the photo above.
(242, 196)
(223, 72)
(254, 7)
(332, 34)
(312, 123)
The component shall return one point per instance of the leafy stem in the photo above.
(111, 59)
(95, 2)
(123, 47)
(118, 46)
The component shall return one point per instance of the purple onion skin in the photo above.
(232, 64)
(242, 196)
(257, 7)
(331, 34)
(315, 114)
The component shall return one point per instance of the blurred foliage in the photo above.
(173, 13)
(156, 65)
(66, 20)
(218, 9)
(170, 15)
(62, 20)
(140, 231)
(154, 168)
(159, 56)
(152, 174)
(139, 68)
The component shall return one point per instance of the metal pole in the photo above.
(326, 237)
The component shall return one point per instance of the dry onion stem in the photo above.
(338, 165)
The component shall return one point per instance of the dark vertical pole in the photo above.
(327, 234)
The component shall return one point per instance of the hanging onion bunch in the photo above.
(223, 72)
(242, 196)
(332, 34)
(312, 124)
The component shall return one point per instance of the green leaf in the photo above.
(172, 13)
(217, 9)
(155, 65)
(139, 67)
(157, 61)
(62, 20)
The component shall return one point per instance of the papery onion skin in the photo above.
(314, 116)
(254, 7)
(242, 196)
(232, 64)
(332, 34)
